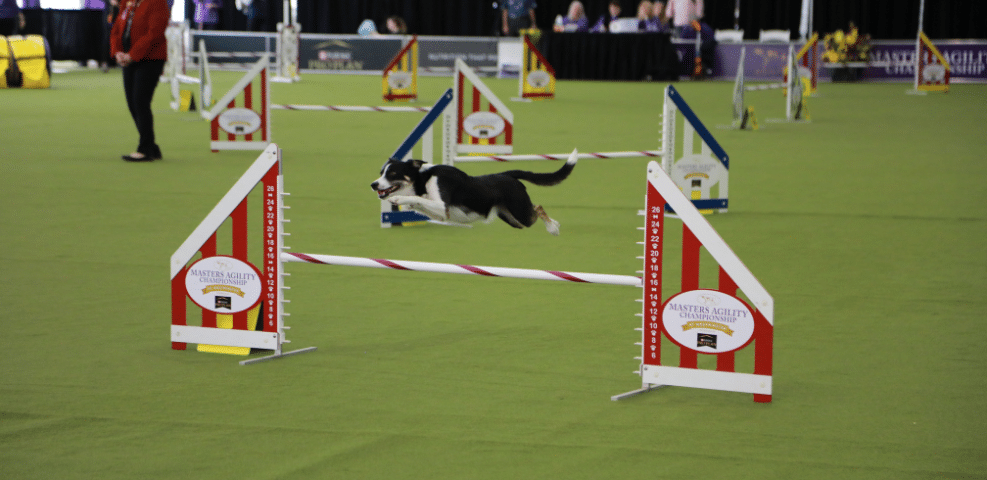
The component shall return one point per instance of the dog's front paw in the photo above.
(401, 200)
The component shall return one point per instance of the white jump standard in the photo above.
(229, 285)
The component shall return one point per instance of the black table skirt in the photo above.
(71, 34)
(602, 56)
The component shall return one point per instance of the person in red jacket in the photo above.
(138, 44)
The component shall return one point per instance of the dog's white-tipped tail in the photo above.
(573, 157)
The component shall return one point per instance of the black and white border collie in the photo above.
(447, 194)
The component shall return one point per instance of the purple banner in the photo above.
(891, 61)
(764, 61)
(967, 60)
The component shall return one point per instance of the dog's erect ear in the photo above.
(388, 162)
(417, 164)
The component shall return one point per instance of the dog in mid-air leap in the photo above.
(447, 194)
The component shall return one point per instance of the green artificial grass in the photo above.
(866, 225)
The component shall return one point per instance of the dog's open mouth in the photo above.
(382, 194)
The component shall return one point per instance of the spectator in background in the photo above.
(139, 46)
(207, 14)
(396, 25)
(110, 10)
(613, 13)
(575, 20)
(517, 15)
(256, 11)
(682, 13)
(645, 14)
(367, 28)
(11, 17)
(658, 21)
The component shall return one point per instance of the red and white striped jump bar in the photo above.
(351, 108)
(559, 156)
(525, 273)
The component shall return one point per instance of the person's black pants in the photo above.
(139, 81)
(515, 25)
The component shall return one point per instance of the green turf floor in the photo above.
(868, 226)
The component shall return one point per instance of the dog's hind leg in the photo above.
(551, 225)
(509, 218)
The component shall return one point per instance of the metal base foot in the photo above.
(636, 392)
(277, 356)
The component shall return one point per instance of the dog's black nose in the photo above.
(374, 185)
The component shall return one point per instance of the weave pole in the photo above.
(504, 272)
(559, 156)
(351, 108)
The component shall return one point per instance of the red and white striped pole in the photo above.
(525, 273)
(351, 108)
(558, 156)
